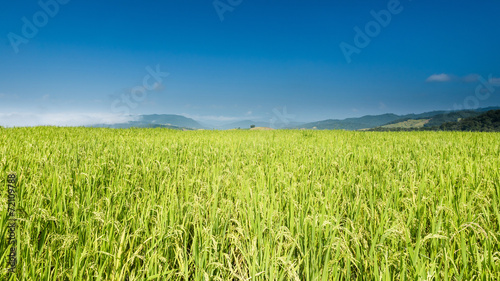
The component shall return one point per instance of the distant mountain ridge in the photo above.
(388, 120)
(170, 121)
(373, 121)
(365, 122)
(486, 122)
(480, 122)
(435, 120)
(245, 124)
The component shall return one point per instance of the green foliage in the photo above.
(407, 121)
(487, 122)
(159, 204)
(364, 122)
(438, 120)
(411, 123)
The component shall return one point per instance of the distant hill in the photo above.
(481, 122)
(486, 122)
(369, 121)
(261, 129)
(245, 124)
(170, 121)
(388, 121)
(486, 109)
(410, 123)
(433, 121)
(451, 117)
(426, 119)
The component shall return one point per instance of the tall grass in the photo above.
(155, 204)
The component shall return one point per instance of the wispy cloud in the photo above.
(471, 78)
(8, 96)
(158, 86)
(60, 119)
(495, 81)
(443, 77)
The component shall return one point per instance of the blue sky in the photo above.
(229, 60)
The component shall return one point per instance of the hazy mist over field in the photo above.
(219, 62)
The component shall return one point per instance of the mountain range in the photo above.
(170, 121)
(388, 120)
(435, 118)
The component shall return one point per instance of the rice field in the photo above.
(157, 204)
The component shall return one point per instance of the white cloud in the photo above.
(158, 86)
(471, 78)
(494, 81)
(60, 119)
(443, 77)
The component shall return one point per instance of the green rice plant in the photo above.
(158, 204)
